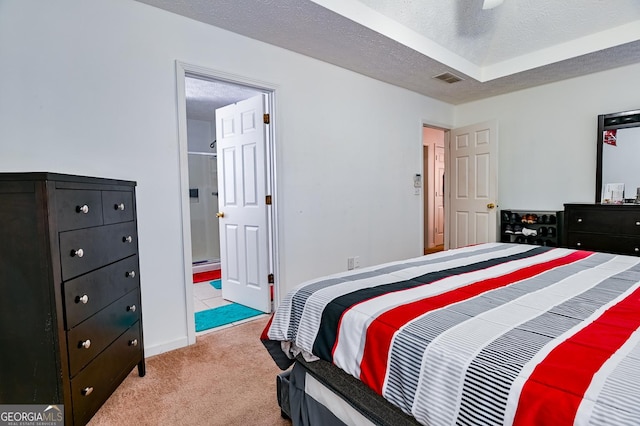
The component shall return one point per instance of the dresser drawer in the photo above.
(606, 220)
(630, 223)
(117, 206)
(78, 208)
(90, 337)
(87, 249)
(590, 220)
(87, 294)
(605, 243)
(93, 385)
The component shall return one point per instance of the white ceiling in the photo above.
(519, 44)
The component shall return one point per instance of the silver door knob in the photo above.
(82, 209)
(127, 239)
(131, 308)
(77, 253)
(82, 299)
(119, 206)
(130, 274)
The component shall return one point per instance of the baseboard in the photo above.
(166, 347)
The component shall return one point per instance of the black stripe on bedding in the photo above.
(299, 299)
(327, 334)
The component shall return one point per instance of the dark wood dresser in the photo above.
(70, 319)
(611, 228)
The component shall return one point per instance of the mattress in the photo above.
(489, 334)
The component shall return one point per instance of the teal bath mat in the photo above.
(217, 284)
(222, 315)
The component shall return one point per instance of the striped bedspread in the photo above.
(493, 334)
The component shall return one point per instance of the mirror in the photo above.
(618, 155)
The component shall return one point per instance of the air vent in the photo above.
(447, 77)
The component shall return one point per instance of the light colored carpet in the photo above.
(226, 378)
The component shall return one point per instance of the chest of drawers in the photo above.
(70, 317)
(603, 227)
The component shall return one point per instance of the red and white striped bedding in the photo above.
(489, 334)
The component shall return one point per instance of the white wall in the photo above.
(547, 136)
(200, 134)
(90, 88)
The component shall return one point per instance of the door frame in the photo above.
(183, 70)
(447, 132)
(427, 184)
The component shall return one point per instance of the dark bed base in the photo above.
(302, 409)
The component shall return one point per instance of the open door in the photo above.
(473, 184)
(241, 134)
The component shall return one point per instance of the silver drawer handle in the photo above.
(87, 391)
(638, 223)
(82, 209)
(130, 274)
(86, 344)
(119, 206)
(78, 253)
(578, 244)
(133, 342)
(82, 299)
(131, 308)
(127, 239)
(637, 249)
(579, 219)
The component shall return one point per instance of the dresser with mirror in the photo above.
(612, 223)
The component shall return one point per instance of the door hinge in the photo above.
(266, 119)
(270, 279)
(268, 200)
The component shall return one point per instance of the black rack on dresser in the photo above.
(612, 228)
(70, 318)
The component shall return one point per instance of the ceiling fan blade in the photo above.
(490, 4)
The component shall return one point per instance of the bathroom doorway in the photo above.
(203, 97)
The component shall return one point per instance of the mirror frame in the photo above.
(616, 120)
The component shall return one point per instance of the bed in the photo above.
(496, 333)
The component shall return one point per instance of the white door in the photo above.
(241, 136)
(473, 184)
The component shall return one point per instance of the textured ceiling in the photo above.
(520, 44)
(204, 97)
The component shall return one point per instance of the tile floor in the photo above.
(205, 296)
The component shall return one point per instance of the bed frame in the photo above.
(320, 393)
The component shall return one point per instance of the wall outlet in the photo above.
(351, 263)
